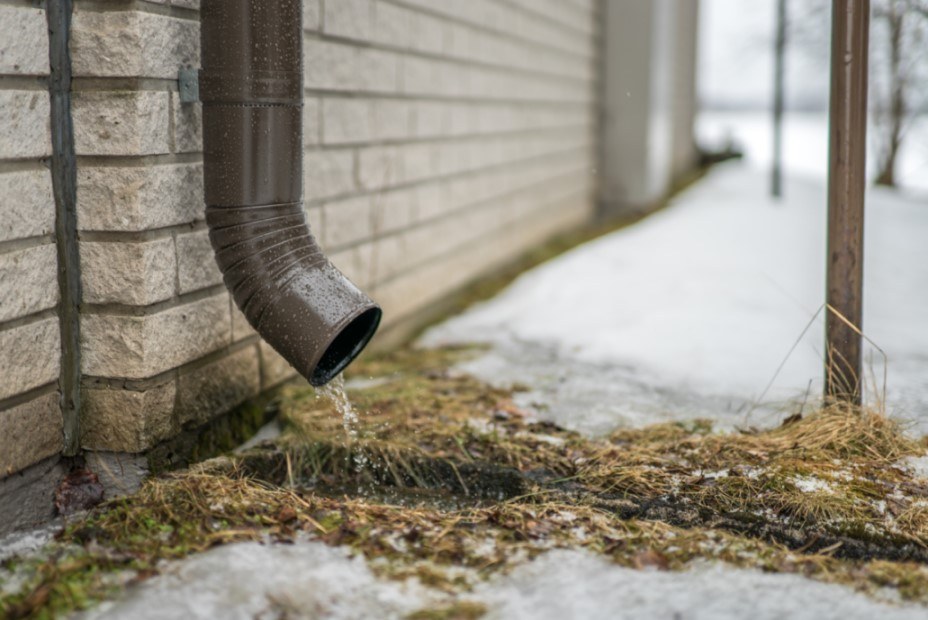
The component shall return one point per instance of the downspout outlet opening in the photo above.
(346, 346)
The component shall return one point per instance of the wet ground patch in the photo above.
(445, 480)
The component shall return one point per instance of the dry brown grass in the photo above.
(418, 490)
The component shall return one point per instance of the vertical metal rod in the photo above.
(776, 173)
(846, 180)
(64, 185)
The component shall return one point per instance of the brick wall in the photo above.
(442, 138)
(449, 136)
(30, 419)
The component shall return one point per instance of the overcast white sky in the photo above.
(736, 57)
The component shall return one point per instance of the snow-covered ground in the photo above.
(310, 580)
(686, 314)
(574, 584)
(805, 144)
(691, 312)
(307, 579)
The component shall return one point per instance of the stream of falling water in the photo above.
(335, 392)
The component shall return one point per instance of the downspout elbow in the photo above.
(251, 86)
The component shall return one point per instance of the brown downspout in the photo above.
(251, 85)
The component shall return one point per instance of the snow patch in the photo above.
(250, 580)
(27, 542)
(578, 584)
(811, 484)
(918, 465)
(689, 313)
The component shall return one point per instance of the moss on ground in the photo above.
(444, 479)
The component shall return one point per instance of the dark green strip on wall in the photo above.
(64, 184)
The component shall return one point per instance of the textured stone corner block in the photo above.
(274, 369)
(31, 356)
(30, 281)
(135, 199)
(126, 272)
(121, 122)
(218, 387)
(196, 264)
(27, 205)
(127, 421)
(31, 432)
(137, 347)
(23, 41)
(188, 125)
(132, 44)
(24, 124)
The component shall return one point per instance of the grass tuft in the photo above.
(446, 481)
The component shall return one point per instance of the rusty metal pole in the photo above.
(779, 53)
(846, 180)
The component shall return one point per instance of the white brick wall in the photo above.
(30, 278)
(27, 207)
(24, 129)
(442, 138)
(451, 136)
(138, 347)
(30, 358)
(132, 43)
(30, 420)
(23, 41)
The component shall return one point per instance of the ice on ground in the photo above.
(307, 579)
(312, 580)
(690, 313)
(26, 542)
(918, 465)
(578, 584)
